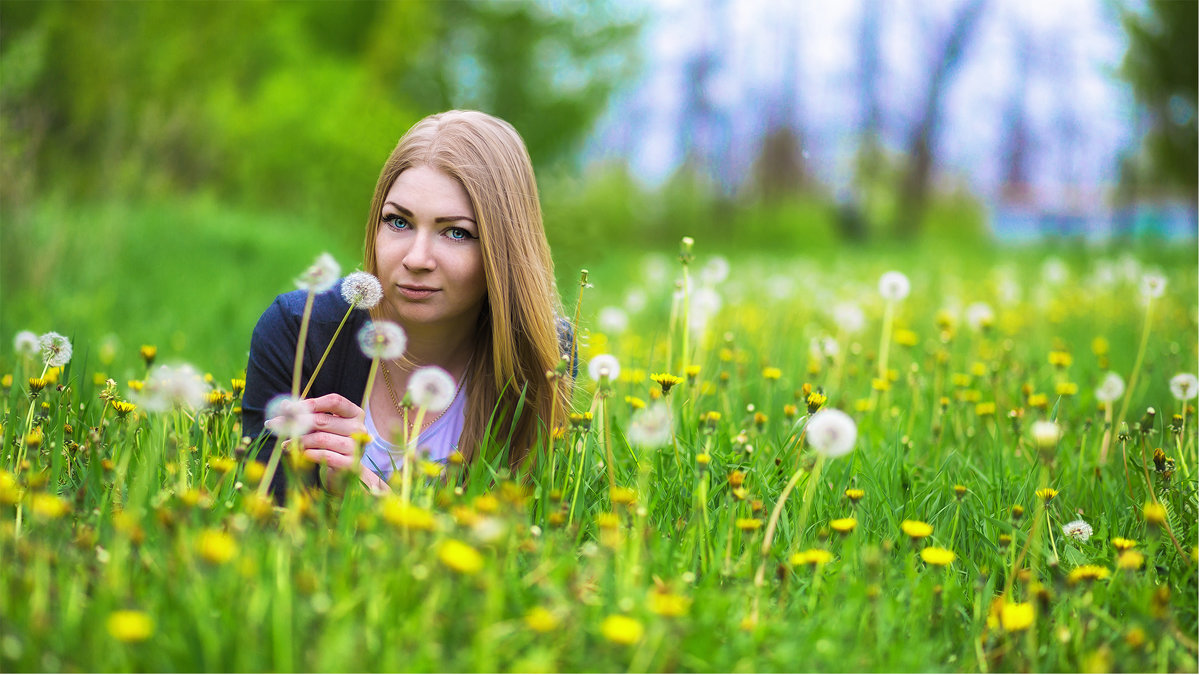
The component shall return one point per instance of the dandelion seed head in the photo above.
(980, 316)
(1055, 271)
(320, 276)
(1153, 285)
(362, 290)
(382, 340)
(715, 271)
(894, 286)
(173, 387)
(849, 317)
(604, 366)
(26, 344)
(1111, 388)
(831, 432)
(651, 427)
(56, 349)
(1079, 530)
(288, 417)
(635, 300)
(432, 388)
(1184, 386)
(1045, 433)
(613, 320)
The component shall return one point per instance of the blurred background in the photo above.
(166, 168)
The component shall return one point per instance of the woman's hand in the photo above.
(329, 442)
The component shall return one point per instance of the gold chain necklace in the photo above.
(387, 381)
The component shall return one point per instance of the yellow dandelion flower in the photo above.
(771, 373)
(815, 401)
(987, 409)
(406, 516)
(703, 459)
(541, 620)
(635, 403)
(691, 371)
(843, 525)
(148, 352)
(6, 381)
(916, 529)
(1154, 513)
(1066, 389)
(237, 385)
(1016, 616)
(254, 472)
(460, 557)
(607, 520)
(1130, 560)
(123, 408)
(216, 547)
(622, 630)
(1046, 494)
(1060, 359)
(905, 338)
(663, 603)
(1123, 544)
(748, 524)
(789, 410)
(880, 384)
(813, 556)
(136, 385)
(1087, 573)
(960, 491)
(431, 469)
(854, 494)
(937, 556)
(666, 381)
(1040, 401)
(34, 438)
(487, 503)
(129, 625)
(622, 495)
(48, 506)
(10, 490)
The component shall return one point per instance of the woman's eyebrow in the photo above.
(442, 219)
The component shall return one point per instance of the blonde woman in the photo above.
(455, 237)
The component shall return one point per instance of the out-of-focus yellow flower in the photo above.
(916, 529)
(1060, 359)
(1123, 544)
(1154, 513)
(129, 625)
(1087, 573)
(1130, 560)
(1066, 388)
(541, 620)
(691, 372)
(635, 403)
(216, 547)
(748, 524)
(222, 465)
(621, 629)
(48, 506)
(407, 516)
(938, 556)
(254, 472)
(622, 495)
(663, 603)
(906, 338)
(854, 494)
(987, 409)
(813, 556)
(771, 373)
(10, 490)
(843, 525)
(460, 557)
(1016, 616)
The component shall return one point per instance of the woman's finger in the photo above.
(335, 424)
(321, 440)
(331, 459)
(334, 404)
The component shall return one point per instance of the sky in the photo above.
(1080, 114)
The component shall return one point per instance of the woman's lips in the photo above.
(416, 292)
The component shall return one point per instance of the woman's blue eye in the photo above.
(396, 221)
(459, 234)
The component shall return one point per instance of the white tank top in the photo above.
(435, 444)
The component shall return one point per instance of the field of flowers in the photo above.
(839, 465)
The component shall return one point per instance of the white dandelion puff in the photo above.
(56, 349)
(831, 432)
(635, 300)
(980, 316)
(1045, 433)
(362, 290)
(613, 320)
(894, 286)
(26, 344)
(650, 428)
(604, 366)
(382, 340)
(1078, 529)
(431, 388)
(849, 317)
(1153, 285)
(288, 417)
(1055, 271)
(172, 387)
(1111, 388)
(715, 271)
(1184, 386)
(320, 276)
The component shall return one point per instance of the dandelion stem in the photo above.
(328, 348)
(300, 340)
(410, 454)
(1050, 534)
(1137, 362)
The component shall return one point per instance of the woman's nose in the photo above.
(420, 252)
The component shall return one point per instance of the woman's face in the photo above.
(427, 251)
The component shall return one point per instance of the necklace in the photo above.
(387, 381)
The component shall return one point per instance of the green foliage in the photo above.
(1161, 64)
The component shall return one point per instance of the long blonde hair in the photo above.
(508, 395)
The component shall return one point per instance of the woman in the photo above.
(455, 237)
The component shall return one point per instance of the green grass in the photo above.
(334, 583)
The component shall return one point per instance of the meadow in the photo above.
(989, 498)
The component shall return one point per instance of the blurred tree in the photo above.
(1161, 64)
(914, 186)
